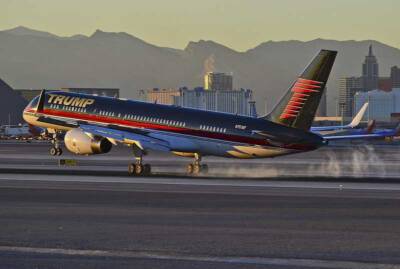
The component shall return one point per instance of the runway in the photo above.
(61, 217)
(355, 162)
(158, 225)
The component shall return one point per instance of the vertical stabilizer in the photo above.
(298, 106)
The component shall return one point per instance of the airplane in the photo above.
(368, 132)
(353, 124)
(94, 124)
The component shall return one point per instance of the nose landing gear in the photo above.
(55, 150)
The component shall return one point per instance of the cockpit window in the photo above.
(33, 103)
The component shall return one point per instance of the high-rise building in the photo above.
(218, 81)
(230, 101)
(395, 76)
(347, 89)
(370, 71)
(381, 103)
(159, 96)
(385, 84)
(369, 80)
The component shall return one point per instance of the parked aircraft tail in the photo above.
(357, 119)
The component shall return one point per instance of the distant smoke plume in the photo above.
(209, 64)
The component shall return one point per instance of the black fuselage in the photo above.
(125, 114)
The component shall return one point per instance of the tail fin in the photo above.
(371, 126)
(298, 106)
(357, 119)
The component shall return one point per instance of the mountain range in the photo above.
(36, 59)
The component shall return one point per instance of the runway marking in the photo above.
(312, 263)
(207, 182)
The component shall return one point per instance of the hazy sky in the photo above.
(239, 24)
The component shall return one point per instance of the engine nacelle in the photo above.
(78, 142)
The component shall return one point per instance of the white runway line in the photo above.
(207, 182)
(311, 263)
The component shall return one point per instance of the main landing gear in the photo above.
(138, 168)
(196, 167)
(55, 150)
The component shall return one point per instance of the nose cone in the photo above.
(28, 117)
(29, 114)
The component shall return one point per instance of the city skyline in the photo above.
(234, 24)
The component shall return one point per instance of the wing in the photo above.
(141, 137)
(131, 136)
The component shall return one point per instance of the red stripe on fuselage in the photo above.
(136, 124)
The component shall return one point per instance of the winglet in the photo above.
(357, 119)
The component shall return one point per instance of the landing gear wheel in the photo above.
(131, 169)
(189, 168)
(196, 169)
(135, 169)
(59, 151)
(139, 169)
(53, 151)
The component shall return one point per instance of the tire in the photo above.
(196, 169)
(53, 151)
(59, 152)
(131, 169)
(139, 169)
(189, 169)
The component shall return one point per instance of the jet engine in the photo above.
(78, 142)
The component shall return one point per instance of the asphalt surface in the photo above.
(94, 219)
(335, 162)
